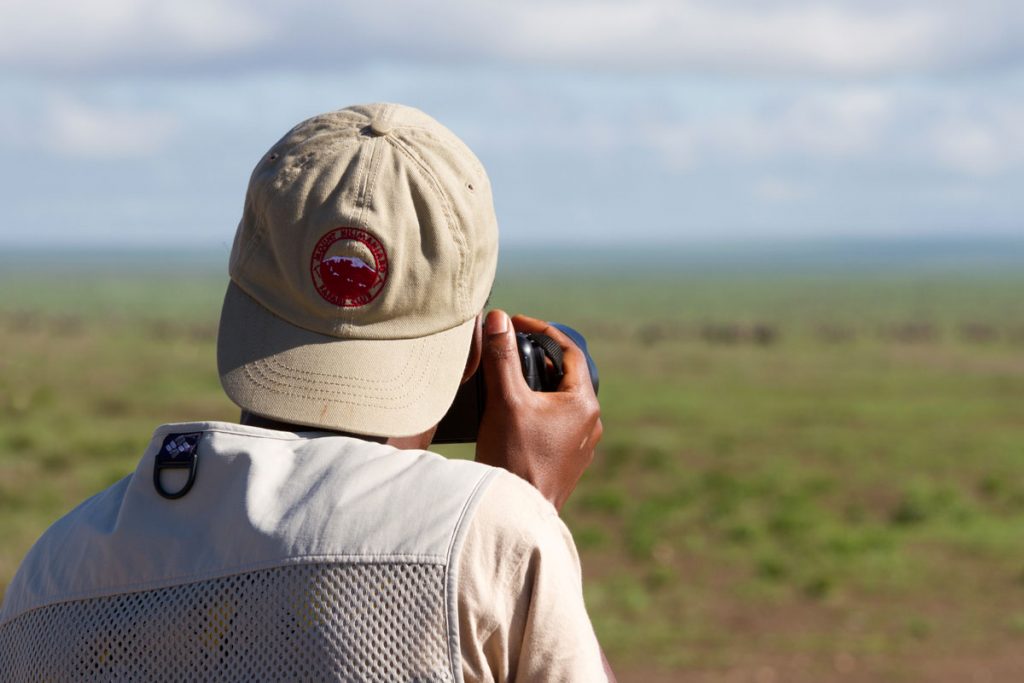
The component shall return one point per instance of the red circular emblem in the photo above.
(349, 267)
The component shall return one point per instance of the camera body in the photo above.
(540, 357)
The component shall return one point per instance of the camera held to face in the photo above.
(542, 363)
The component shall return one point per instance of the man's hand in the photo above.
(547, 438)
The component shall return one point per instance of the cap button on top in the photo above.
(380, 126)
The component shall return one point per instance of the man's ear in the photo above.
(476, 347)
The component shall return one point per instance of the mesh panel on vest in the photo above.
(354, 622)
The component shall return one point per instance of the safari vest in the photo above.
(235, 553)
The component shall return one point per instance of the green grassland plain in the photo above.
(803, 477)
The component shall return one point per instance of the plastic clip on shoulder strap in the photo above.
(179, 451)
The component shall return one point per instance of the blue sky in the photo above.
(601, 123)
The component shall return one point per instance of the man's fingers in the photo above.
(524, 323)
(502, 368)
(574, 363)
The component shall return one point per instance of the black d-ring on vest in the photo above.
(178, 452)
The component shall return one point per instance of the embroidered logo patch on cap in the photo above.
(349, 267)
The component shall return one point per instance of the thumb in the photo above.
(503, 371)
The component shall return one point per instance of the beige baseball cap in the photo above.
(367, 246)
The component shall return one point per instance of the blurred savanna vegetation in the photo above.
(805, 475)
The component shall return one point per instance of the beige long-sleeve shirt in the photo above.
(521, 610)
(299, 555)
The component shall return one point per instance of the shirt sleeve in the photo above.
(521, 610)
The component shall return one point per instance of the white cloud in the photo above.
(678, 146)
(845, 37)
(803, 37)
(841, 123)
(969, 148)
(79, 130)
(72, 36)
(832, 124)
(981, 143)
(779, 190)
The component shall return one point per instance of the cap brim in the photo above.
(395, 387)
